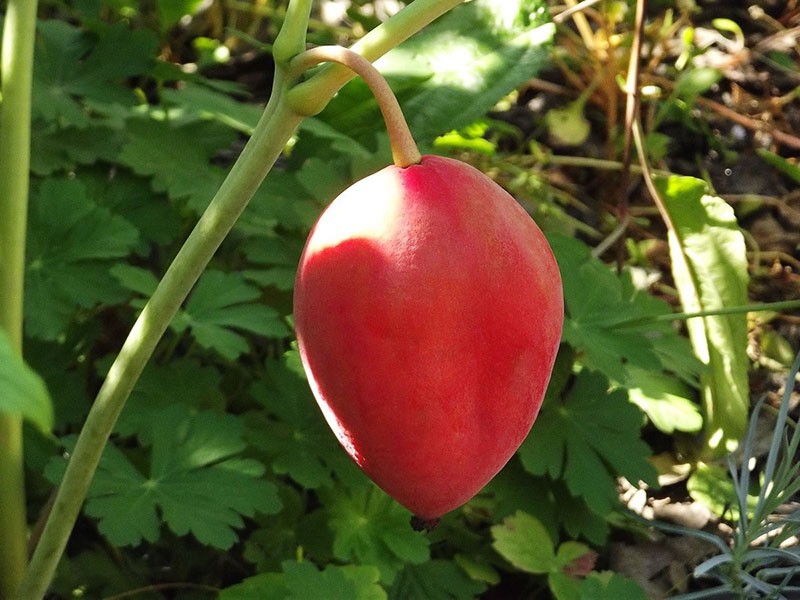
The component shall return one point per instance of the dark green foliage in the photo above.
(221, 456)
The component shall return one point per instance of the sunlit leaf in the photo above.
(709, 264)
(523, 541)
(455, 70)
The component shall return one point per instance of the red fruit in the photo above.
(428, 309)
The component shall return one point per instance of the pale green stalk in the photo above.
(269, 138)
(16, 65)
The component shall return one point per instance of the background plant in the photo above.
(128, 149)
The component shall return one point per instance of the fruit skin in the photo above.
(428, 309)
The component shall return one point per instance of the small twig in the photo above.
(158, 587)
(631, 113)
(581, 22)
(568, 12)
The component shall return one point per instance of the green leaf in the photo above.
(133, 199)
(435, 580)
(71, 242)
(302, 581)
(187, 173)
(709, 265)
(588, 440)
(275, 259)
(299, 442)
(221, 302)
(194, 466)
(665, 400)
(598, 301)
(22, 391)
(523, 541)
(596, 586)
(71, 64)
(454, 71)
(371, 528)
(184, 381)
(62, 149)
(207, 103)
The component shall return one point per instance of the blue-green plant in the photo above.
(755, 562)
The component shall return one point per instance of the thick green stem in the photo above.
(404, 150)
(16, 67)
(269, 138)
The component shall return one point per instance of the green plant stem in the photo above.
(727, 310)
(291, 39)
(16, 68)
(274, 129)
(404, 149)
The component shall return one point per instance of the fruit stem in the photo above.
(404, 150)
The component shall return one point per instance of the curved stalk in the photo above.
(15, 115)
(404, 150)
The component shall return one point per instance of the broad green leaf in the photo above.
(666, 401)
(371, 528)
(222, 302)
(303, 581)
(182, 381)
(74, 68)
(596, 586)
(588, 440)
(611, 324)
(62, 149)
(291, 431)
(709, 265)
(178, 157)
(130, 197)
(435, 580)
(274, 259)
(523, 541)
(345, 582)
(71, 242)
(194, 466)
(22, 391)
(208, 103)
(455, 70)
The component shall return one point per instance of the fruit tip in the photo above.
(422, 524)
